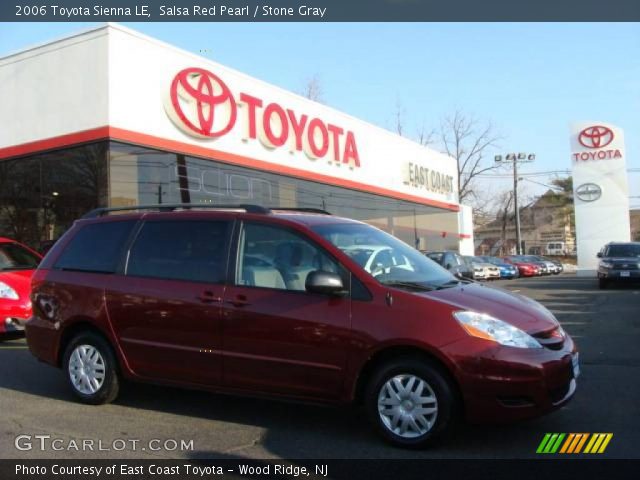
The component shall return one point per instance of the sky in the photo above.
(529, 80)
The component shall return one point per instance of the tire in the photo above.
(436, 384)
(103, 368)
(602, 283)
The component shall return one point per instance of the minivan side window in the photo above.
(272, 257)
(181, 250)
(96, 247)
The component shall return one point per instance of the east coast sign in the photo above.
(201, 104)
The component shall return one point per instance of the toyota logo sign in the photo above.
(596, 136)
(202, 103)
(589, 192)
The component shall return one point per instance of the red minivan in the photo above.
(298, 304)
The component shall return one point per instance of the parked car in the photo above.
(553, 266)
(478, 272)
(169, 296)
(17, 264)
(482, 270)
(619, 262)
(543, 267)
(506, 270)
(525, 268)
(453, 262)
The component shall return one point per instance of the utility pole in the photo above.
(517, 209)
(515, 159)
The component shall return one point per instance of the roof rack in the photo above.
(170, 207)
(301, 209)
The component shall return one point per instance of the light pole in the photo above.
(516, 158)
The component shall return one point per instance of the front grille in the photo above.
(552, 339)
(515, 402)
(625, 266)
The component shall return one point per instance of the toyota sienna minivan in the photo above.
(296, 304)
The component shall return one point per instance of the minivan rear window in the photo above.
(181, 250)
(96, 247)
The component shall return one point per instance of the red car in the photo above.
(285, 304)
(17, 264)
(526, 269)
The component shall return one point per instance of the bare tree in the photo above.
(425, 137)
(313, 89)
(467, 139)
(398, 118)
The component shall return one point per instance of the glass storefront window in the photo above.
(144, 176)
(41, 195)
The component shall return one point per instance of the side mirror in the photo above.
(326, 283)
(599, 254)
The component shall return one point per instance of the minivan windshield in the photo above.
(387, 259)
(15, 257)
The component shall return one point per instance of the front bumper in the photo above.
(503, 384)
(13, 315)
(618, 274)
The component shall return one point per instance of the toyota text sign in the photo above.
(202, 105)
(597, 140)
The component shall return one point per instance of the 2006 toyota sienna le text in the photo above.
(290, 303)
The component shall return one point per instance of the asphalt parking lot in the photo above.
(34, 400)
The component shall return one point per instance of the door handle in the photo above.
(208, 297)
(240, 301)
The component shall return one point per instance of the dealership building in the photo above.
(110, 117)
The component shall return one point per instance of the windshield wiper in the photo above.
(448, 284)
(417, 286)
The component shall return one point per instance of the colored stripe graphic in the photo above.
(550, 443)
(567, 443)
(543, 443)
(581, 443)
(598, 442)
(573, 443)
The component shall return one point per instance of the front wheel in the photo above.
(91, 369)
(603, 283)
(410, 402)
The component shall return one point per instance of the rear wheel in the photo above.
(91, 369)
(410, 402)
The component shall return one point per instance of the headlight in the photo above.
(485, 326)
(7, 292)
(606, 264)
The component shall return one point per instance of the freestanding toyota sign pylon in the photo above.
(600, 190)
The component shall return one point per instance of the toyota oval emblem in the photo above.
(201, 104)
(596, 136)
(589, 192)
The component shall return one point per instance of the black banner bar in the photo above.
(240, 468)
(319, 10)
